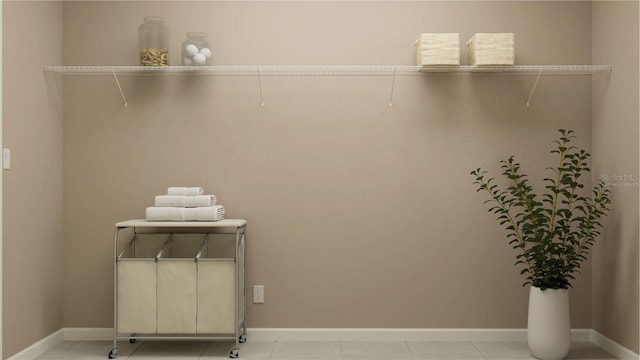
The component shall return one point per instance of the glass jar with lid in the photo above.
(195, 50)
(153, 42)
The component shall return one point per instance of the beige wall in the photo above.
(360, 215)
(32, 189)
(615, 149)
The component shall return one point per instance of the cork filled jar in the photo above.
(195, 50)
(153, 42)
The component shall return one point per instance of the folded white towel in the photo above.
(186, 191)
(185, 201)
(209, 213)
(166, 213)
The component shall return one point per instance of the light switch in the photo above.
(6, 159)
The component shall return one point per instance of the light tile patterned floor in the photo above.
(315, 350)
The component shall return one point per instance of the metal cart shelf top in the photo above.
(236, 223)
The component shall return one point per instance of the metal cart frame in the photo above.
(240, 228)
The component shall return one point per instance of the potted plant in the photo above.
(552, 233)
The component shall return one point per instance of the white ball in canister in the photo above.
(187, 61)
(191, 50)
(199, 59)
(206, 52)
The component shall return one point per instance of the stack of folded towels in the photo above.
(185, 204)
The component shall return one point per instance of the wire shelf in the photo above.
(266, 70)
(261, 71)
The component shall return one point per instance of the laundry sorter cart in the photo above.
(179, 281)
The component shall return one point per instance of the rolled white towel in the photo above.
(185, 191)
(167, 213)
(185, 201)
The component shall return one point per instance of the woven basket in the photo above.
(438, 50)
(491, 49)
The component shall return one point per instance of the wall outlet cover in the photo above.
(6, 159)
(258, 294)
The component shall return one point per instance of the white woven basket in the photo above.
(438, 49)
(491, 49)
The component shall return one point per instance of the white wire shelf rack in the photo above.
(311, 70)
(266, 70)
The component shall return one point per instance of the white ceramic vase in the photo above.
(549, 324)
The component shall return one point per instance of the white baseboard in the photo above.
(357, 334)
(40, 347)
(64, 334)
(292, 334)
(613, 347)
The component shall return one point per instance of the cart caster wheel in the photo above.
(133, 341)
(113, 353)
(233, 354)
(242, 339)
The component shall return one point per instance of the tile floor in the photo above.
(316, 350)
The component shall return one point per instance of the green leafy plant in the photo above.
(552, 232)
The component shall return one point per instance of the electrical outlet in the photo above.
(258, 294)
(6, 159)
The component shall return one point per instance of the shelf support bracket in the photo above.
(533, 89)
(393, 83)
(124, 99)
(260, 87)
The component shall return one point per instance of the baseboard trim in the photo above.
(40, 347)
(358, 334)
(332, 334)
(613, 347)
